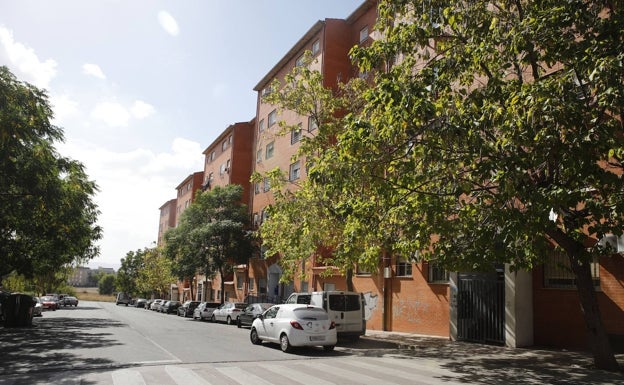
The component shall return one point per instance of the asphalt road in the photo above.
(100, 343)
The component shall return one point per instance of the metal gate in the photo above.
(481, 307)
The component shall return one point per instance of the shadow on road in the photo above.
(48, 344)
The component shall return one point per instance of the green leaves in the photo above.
(47, 216)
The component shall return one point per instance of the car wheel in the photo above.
(253, 336)
(213, 319)
(229, 320)
(328, 348)
(285, 344)
(238, 323)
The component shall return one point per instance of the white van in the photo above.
(345, 308)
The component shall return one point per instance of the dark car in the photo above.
(170, 307)
(251, 312)
(140, 302)
(187, 308)
(69, 300)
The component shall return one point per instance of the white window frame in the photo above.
(295, 171)
(316, 47)
(272, 118)
(270, 150)
(404, 267)
(364, 34)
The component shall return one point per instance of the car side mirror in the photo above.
(260, 316)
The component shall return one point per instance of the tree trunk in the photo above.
(349, 279)
(596, 332)
(222, 299)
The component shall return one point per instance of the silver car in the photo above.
(228, 312)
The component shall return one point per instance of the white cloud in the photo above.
(93, 70)
(133, 185)
(24, 60)
(64, 107)
(169, 24)
(142, 110)
(111, 113)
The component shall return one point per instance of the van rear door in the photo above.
(346, 311)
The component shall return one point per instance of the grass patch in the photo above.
(92, 294)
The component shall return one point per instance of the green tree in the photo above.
(155, 277)
(127, 276)
(47, 216)
(106, 285)
(309, 218)
(214, 233)
(498, 133)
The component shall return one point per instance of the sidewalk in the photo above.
(488, 364)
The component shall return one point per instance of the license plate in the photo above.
(317, 338)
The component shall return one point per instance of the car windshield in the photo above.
(241, 306)
(311, 314)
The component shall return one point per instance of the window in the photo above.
(222, 169)
(257, 188)
(363, 34)
(213, 155)
(437, 273)
(558, 273)
(362, 271)
(403, 267)
(316, 47)
(259, 156)
(239, 281)
(304, 286)
(299, 62)
(224, 145)
(272, 118)
(270, 148)
(252, 284)
(266, 184)
(261, 125)
(262, 285)
(295, 171)
(295, 134)
(312, 125)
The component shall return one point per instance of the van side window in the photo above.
(304, 299)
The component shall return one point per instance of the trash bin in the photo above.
(18, 310)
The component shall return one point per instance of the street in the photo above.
(101, 343)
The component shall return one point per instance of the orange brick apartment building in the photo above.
(512, 308)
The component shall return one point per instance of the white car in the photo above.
(293, 325)
(228, 312)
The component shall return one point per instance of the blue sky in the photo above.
(142, 87)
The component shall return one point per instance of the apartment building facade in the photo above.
(520, 307)
(228, 160)
(167, 219)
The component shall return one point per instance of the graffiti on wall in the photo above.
(414, 311)
(370, 300)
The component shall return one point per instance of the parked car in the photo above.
(204, 310)
(49, 302)
(345, 308)
(123, 299)
(170, 307)
(187, 308)
(246, 317)
(69, 300)
(38, 309)
(55, 298)
(140, 302)
(156, 304)
(228, 312)
(292, 325)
